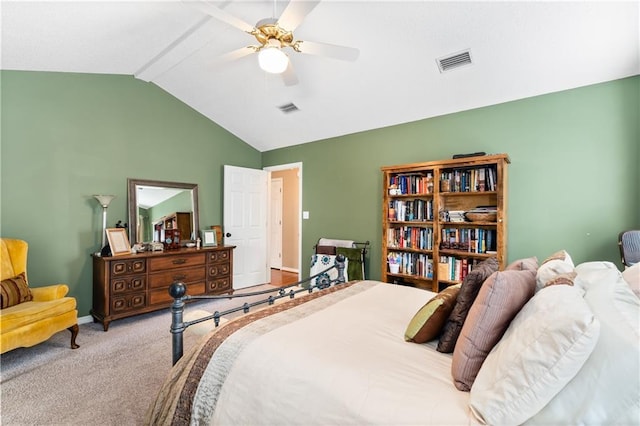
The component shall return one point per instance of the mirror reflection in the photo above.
(158, 206)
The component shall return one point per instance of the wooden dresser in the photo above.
(133, 284)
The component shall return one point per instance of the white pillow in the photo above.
(607, 388)
(632, 276)
(556, 264)
(587, 267)
(541, 351)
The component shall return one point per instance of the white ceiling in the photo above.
(149, 196)
(519, 49)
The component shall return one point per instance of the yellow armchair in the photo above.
(32, 322)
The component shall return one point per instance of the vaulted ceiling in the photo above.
(517, 49)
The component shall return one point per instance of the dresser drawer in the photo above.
(185, 275)
(220, 256)
(128, 302)
(128, 284)
(218, 270)
(221, 285)
(127, 267)
(172, 262)
(157, 296)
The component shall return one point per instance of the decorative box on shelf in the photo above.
(481, 217)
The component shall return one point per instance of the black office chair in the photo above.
(629, 243)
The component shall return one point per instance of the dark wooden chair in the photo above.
(629, 243)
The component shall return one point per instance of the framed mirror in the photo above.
(155, 206)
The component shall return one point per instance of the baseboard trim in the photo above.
(284, 268)
(85, 320)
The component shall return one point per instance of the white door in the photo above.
(245, 224)
(276, 223)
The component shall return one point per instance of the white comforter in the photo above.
(359, 370)
(339, 358)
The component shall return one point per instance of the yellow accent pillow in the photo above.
(427, 323)
(14, 291)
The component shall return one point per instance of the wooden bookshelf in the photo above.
(179, 223)
(424, 226)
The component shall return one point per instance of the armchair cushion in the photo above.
(31, 312)
(14, 291)
(50, 292)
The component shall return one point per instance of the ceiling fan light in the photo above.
(273, 60)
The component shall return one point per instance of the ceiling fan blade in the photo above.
(289, 75)
(329, 50)
(233, 55)
(295, 13)
(221, 15)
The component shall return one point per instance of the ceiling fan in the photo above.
(275, 37)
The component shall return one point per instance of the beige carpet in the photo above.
(110, 380)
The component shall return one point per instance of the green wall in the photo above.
(68, 136)
(574, 174)
(573, 179)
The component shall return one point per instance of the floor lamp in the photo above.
(104, 201)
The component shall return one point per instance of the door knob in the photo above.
(228, 234)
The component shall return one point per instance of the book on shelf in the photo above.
(416, 264)
(492, 179)
(411, 210)
(451, 268)
(411, 183)
(412, 237)
(472, 240)
(479, 179)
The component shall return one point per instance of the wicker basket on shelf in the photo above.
(481, 216)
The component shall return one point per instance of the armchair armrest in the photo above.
(50, 292)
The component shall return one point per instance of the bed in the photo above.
(567, 352)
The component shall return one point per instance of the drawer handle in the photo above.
(179, 261)
(179, 277)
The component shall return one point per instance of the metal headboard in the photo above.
(178, 292)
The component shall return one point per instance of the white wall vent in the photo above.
(288, 108)
(447, 63)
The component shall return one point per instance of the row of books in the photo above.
(416, 264)
(453, 216)
(406, 184)
(472, 240)
(453, 269)
(469, 180)
(410, 237)
(408, 210)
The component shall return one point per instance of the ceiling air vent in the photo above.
(450, 62)
(288, 108)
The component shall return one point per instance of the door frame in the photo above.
(272, 223)
(288, 166)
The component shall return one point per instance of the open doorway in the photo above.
(285, 222)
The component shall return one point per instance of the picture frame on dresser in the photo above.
(218, 229)
(209, 238)
(118, 241)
